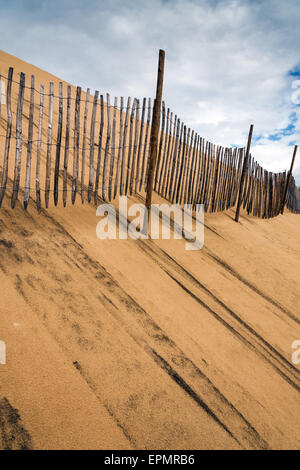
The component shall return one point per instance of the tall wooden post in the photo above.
(288, 180)
(155, 129)
(244, 171)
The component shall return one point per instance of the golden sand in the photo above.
(142, 344)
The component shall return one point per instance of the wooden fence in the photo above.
(293, 197)
(69, 144)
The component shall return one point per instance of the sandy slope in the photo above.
(141, 344)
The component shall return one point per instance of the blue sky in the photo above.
(228, 63)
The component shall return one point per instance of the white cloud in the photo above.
(227, 61)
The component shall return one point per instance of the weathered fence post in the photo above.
(244, 170)
(112, 154)
(19, 140)
(92, 144)
(67, 143)
(49, 144)
(76, 144)
(58, 142)
(120, 146)
(288, 180)
(86, 108)
(29, 145)
(38, 151)
(155, 129)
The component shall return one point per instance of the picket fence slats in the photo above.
(67, 143)
(99, 153)
(58, 143)
(8, 135)
(29, 145)
(189, 170)
(38, 151)
(120, 148)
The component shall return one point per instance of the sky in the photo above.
(229, 63)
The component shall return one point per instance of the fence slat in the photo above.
(168, 159)
(254, 191)
(76, 144)
(188, 168)
(232, 177)
(271, 195)
(186, 165)
(145, 164)
(276, 177)
(173, 176)
(181, 164)
(159, 157)
(208, 183)
(254, 195)
(226, 179)
(154, 134)
(92, 144)
(106, 154)
(58, 143)
(132, 174)
(8, 135)
(265, 193)
(215, 184)
(206, 187)
(167, 153)
(191, 177)
(138, 165)
(228, 176)
(238, 174)
(130, 148)
(249, 185)
(19, 138)
(120, 146)
(67, 144)
(218, 176)
(173, 157)
(200, 195)
(85, 115)
(247, 182)
(38, 151)
(245, 165)
(229, 180)
(214, 160)
(123, 164)
(282, 190)
(222, 185)
(196, 176)
(113, 144)
(289, 175)
(29, 145)
(49, 146)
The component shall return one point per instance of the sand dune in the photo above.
(142, 344)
